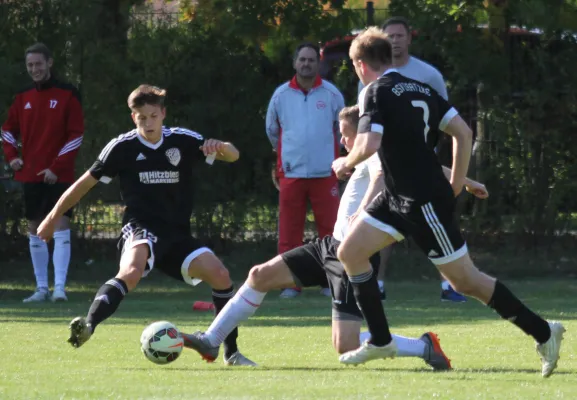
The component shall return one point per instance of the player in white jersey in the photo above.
(314, 263)
(399, 33)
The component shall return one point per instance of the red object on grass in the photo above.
(202, 306)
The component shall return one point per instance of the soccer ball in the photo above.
(161, 342)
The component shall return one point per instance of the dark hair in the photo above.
(146, 94)
(307, 45)
(39, 48)
(397, 21)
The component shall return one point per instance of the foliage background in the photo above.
(221, 60)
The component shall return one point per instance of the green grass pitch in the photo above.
(291, 341)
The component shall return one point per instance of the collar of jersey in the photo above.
(153, 146)
(390, 71)
(46, 84)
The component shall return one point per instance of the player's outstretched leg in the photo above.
(207, 267)
(110, 294)
(272, 275)
(467, 279)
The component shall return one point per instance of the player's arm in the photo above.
(370, 133)
(376, 185)
(10, 131)
(222, 151)
(453, 125)
(477, 189)
(68, 200)
(74, 134)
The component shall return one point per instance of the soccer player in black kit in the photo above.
(401, 119)
(155, 167)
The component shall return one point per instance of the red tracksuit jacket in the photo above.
(48, 122)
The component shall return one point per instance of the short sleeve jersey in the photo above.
(410, 116)
(156, 180)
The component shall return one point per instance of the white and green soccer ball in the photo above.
(161, 342)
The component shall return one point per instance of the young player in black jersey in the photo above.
(401, 119)
(154, 165)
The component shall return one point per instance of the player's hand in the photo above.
(49, 176)
(478, 190)
(45, 230)
(211, 146)
(16, 164)
(340, 168)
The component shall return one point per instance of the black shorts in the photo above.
(316, 262)
(40, 198)
(169, 253)
(432, 225)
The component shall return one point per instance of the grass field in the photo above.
(290, 340)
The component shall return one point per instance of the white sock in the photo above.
(406, 347)
(445, 285)
(381, 285)
(240, 308)
(40, 257)
(409, 347)
(61, 257)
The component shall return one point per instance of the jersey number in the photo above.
(425, 107)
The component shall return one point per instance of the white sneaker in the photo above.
(289, 293)
(326, 292)
(39, 296)
(59, 295)
(368, 352)
(237, 359)
(549, 351)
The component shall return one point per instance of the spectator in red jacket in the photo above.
(41, 137)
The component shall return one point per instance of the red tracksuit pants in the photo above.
(323, 194)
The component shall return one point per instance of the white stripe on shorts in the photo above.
(438, 229)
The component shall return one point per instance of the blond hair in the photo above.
(350, 114)
(372, 47)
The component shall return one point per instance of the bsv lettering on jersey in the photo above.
(403, 87)
(154, 177)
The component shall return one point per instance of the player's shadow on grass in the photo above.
(456, 374)
(409, 304)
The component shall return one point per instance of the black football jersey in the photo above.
(410, 115)
(156, 180)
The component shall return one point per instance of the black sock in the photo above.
(220, 298)
(106, 301)
(509, 307)
(368, 298)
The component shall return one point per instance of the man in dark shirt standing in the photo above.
(401, 119)
(154, 165)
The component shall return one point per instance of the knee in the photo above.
(343, 253)
(258, 278)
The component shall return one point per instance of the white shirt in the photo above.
(423, 72)
(354, 192)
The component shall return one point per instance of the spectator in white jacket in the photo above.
(302, 126)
